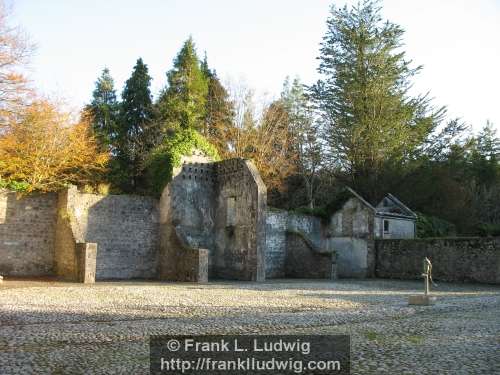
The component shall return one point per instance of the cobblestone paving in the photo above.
(64, 328)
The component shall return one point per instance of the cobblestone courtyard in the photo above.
(64, 328)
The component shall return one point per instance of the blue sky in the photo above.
(260, 41)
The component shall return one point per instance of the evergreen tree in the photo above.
(183, 102)
(304, 135)
(137, 132)
(104, 110)
(371, 123)
(219, 110)
(484, 157)
(488, 141)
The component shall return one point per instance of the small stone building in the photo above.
(394, 220)
(354, 227)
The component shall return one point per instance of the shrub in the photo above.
(431, 226)
(320, 212)
(490, 229)
(17, 186)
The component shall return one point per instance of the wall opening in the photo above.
(386, 226)
(231, 212)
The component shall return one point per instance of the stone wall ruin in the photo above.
(212, 221)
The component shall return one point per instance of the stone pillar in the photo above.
(203, 265)
(192, 265)
(86, 254)
(334, 275)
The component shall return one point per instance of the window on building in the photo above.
(386, 226)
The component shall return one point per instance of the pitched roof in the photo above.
(366, 203)
(395, 208)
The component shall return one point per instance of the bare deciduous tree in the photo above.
(259, 132)
(15, 50)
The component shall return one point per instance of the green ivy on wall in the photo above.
(16, 186)
(167, 156)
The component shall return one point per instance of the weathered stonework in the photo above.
(217, 206)
(27, 226)
(305, 260)
(296, 247)
(240, 215)
(453, 259)
(212, 222)
(276, 227)
(125, 228)
(65, 260)
(187, 221)
(351, 233)
(86, 254)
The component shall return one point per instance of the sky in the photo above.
(259, 42)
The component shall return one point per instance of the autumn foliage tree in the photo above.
(47, 151)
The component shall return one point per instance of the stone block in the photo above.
(203, 265)
(86, 258)
(422, 300)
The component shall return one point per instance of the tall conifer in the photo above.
(371, 122)
(182, 103)
(104, 110)
(137, 132)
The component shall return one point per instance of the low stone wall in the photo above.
(39, 234)
(125, 228)
(27, 226)
(453, 259)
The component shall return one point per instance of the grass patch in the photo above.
(371, 335)
(415, 339)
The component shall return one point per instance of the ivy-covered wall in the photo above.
(164, 162)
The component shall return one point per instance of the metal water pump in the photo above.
(427, 275)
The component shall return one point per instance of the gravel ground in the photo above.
(65, 328)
